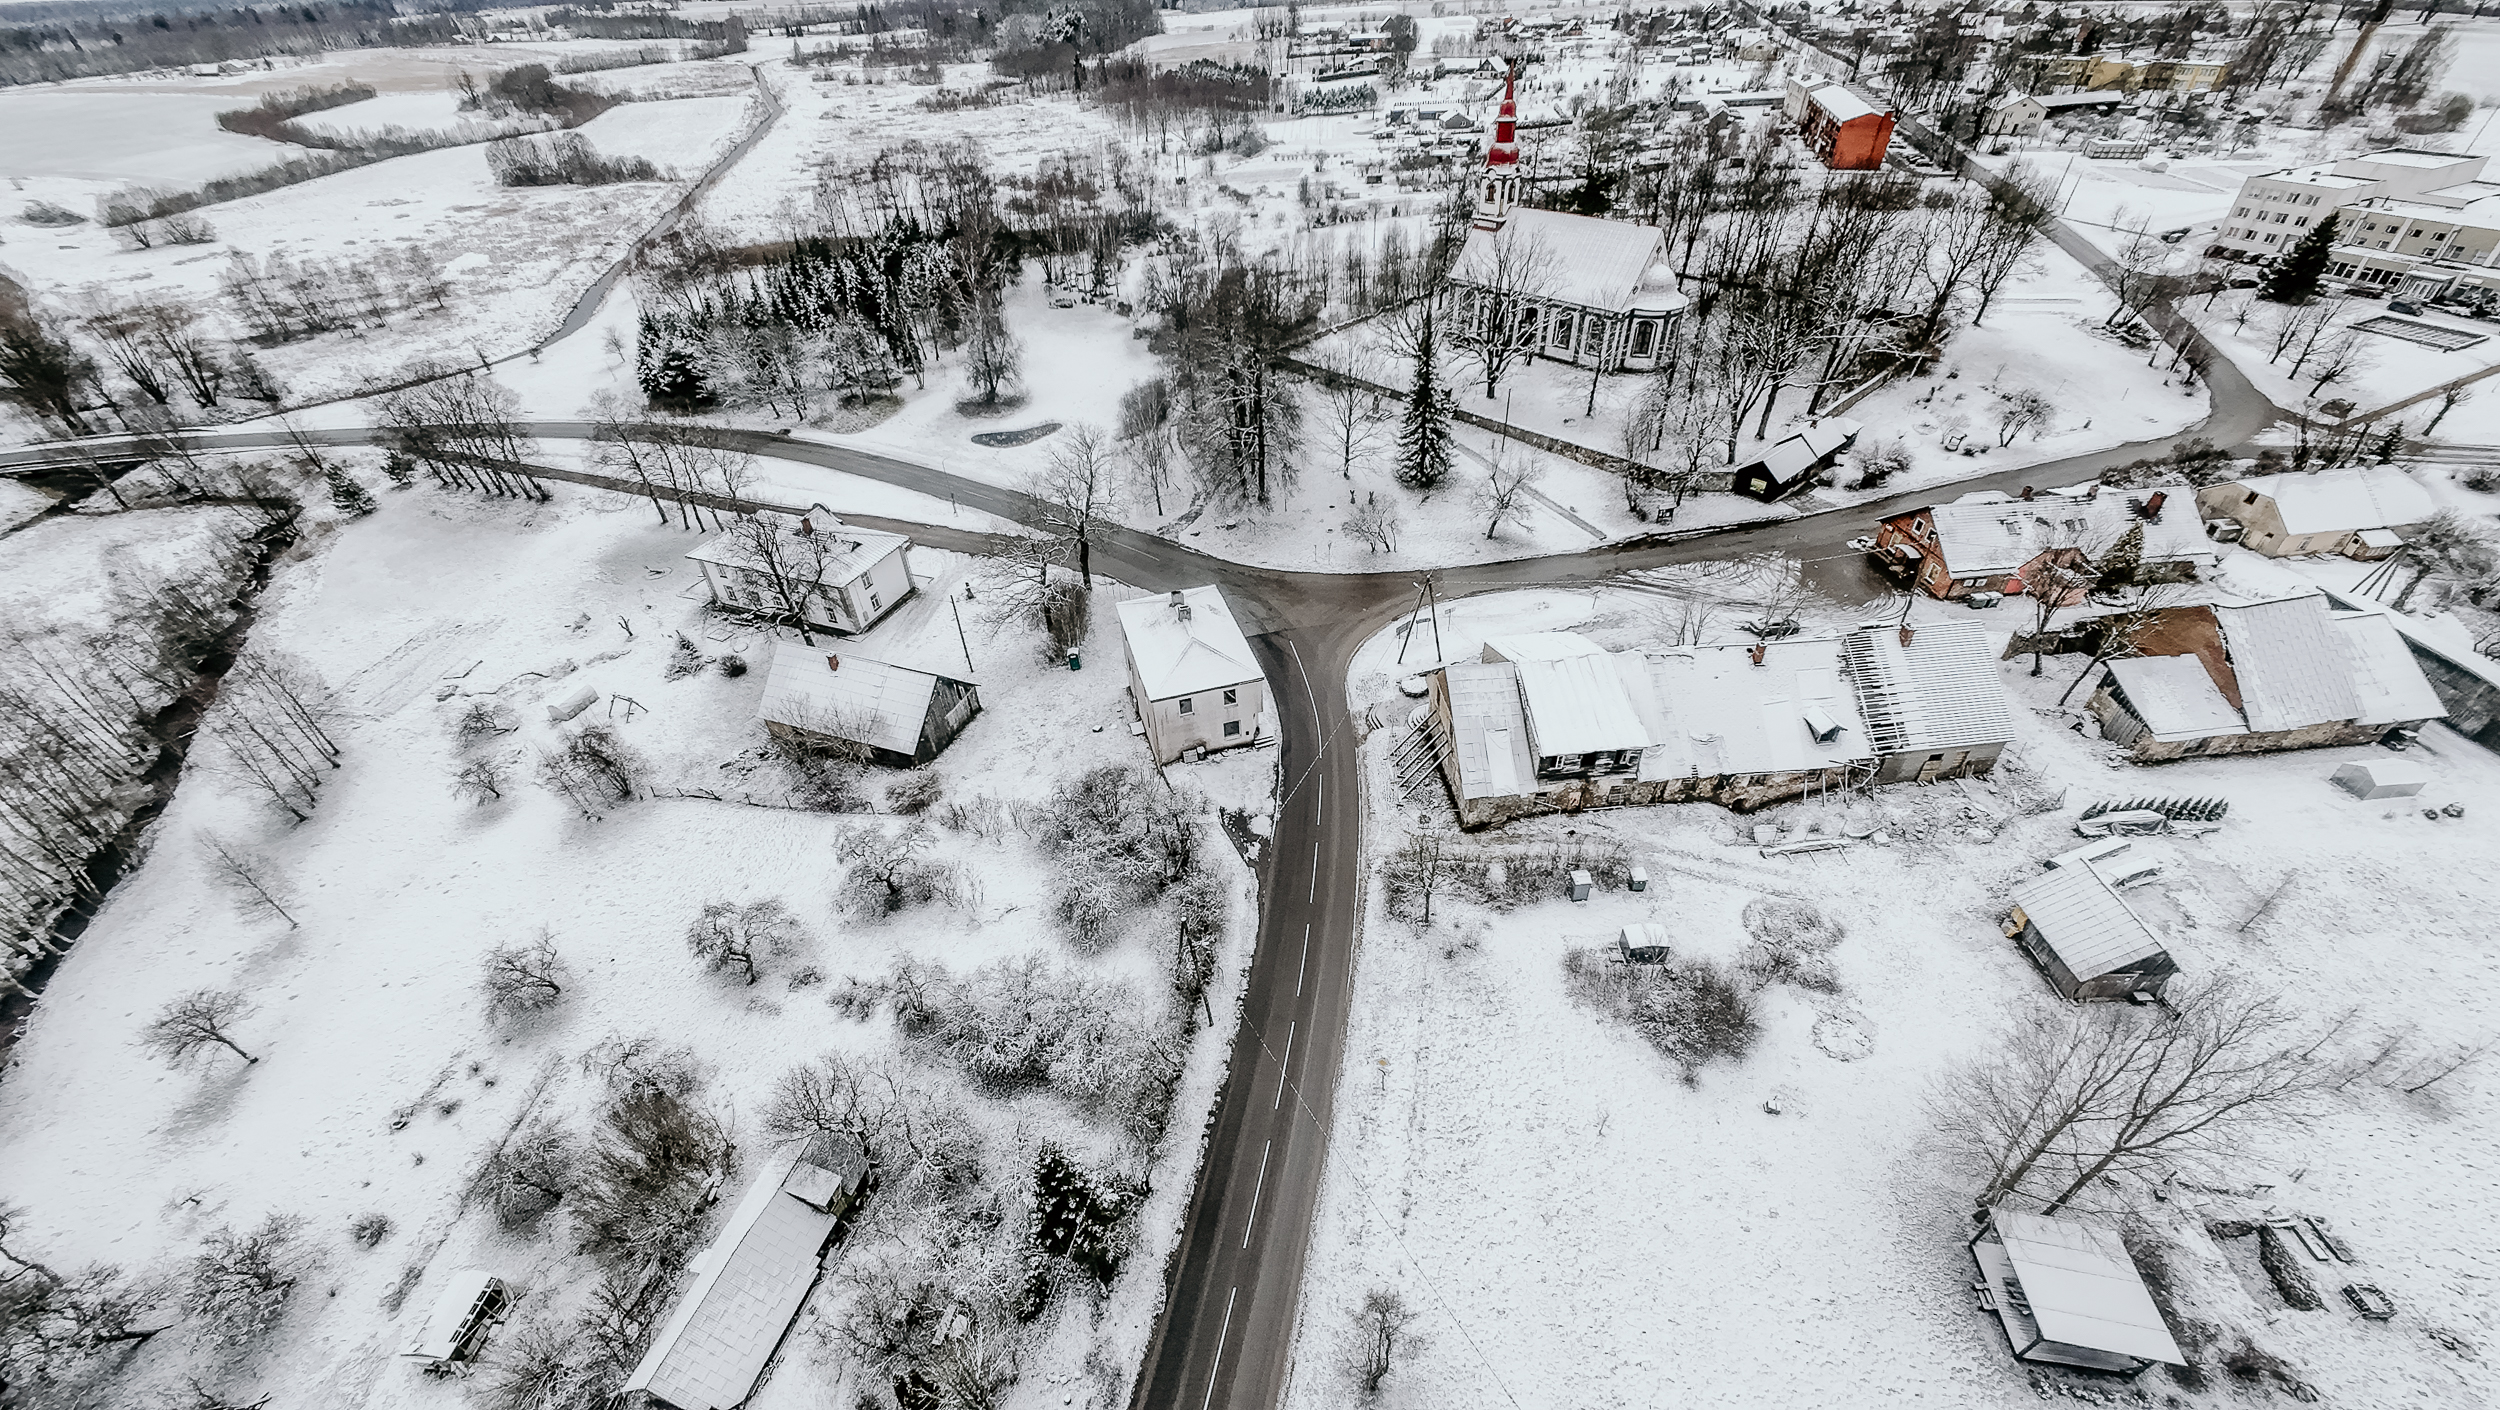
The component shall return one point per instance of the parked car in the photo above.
(2400, 306)
(1983, 599)
(1770, 630)
(1863, 543)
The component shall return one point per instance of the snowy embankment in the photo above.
(1573, 1223)
(381, 1080)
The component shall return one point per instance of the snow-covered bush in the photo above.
(888, 872)
(649, 1179)
(528, 1174)
(523, 976)
(484, 719)
(369, 1230)
(592, 769)
(915, 792)
(1023, 1024)
(1792, 944)
(827, 779)
(1122, 837)
(544, 1365)
(727, 936)
(1691, 1010)
(625, 1064)
(238, 1284)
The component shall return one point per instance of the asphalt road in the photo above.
(1225, 1336)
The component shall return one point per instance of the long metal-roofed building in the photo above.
(2085, 938)
(2066, 1292)
(749, 1285)
(1934, 704)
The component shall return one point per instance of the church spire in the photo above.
(1501, 161)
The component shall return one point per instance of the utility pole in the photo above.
(957, 609)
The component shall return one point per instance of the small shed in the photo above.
(2382, 778)
(1793, 462)
(2075, 926)
(463, 1316)
(2067, 1292)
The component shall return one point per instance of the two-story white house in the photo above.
(1191, 674)
(845, 578)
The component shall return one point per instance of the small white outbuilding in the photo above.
(2382, 778)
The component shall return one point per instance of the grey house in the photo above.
(895, 714)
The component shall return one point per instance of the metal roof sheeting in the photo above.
(866, 701)
(2386, 678)
(2334, 501)
(1578, 706)
(1940, 691)
(2175, 697)
(1989, 531)
(1712, 711)
(1488, 728)
(2082, 1287)
(1539, 646)
(1176, 655)
(2086, 923)
(2289, 662)
(747, 1287)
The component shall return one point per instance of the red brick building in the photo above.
(1847, 132)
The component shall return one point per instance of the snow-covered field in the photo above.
(381, 1081)
(96, 135)
(1577, 1226)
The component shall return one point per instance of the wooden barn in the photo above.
(896, 715)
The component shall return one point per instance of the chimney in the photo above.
(1760, 650)
(806, 527)
(2152, 507)
(833, 663)
(2027, 492)
(1906, 633)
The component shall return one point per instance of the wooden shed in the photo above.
(2077, 928)
(2067, 1292)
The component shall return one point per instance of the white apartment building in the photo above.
(2274, 210)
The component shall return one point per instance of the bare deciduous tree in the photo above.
(193, 1023)
(1381, 1339)
(248, 876)
(1352, 422)
(529, 1173)
(2104, 1091)
(1079, 490)
(1501, 302)
(1375, 523)
(1502, 496)
(524, 975)
(829, 1097)
(481, 780)
(731, 936)
(239, 1283)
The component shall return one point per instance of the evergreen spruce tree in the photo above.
(2296, 277)
(352, 499)
(1424, 439)
(2119, 565)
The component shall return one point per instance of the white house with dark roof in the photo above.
(2357, 513)
(748, 1285)
(858, 575)
(1191, 675)
(2254, 677)
(896, 714)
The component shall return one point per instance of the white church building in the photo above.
(1575, 288)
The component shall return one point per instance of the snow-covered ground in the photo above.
(1576, 1225)
(369, 1012)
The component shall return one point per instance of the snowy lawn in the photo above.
(1575, 1224)
(2385, 370)
(382, 1081)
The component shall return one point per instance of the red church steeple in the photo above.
(1501, 161)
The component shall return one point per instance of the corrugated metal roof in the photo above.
(1488, 728)
(1843, 105)
(1941, 691)
(1587, 261)
(1577, 705)
(2175, 697)
(2289, 661)
(747, 1287)
(1990, 531)
(2086, 923)
(1712, 711)
(1176, 655)
(832, 691)
(2334, 501)
(2082, 1287)
(2385, 677)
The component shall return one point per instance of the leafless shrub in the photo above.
(915, 792)
(528, 1174)
(523, 976)
(194, 1023)
(1019, 1025)
(238, 1284)
(655, 1164)
(732, 937)
(483, 720)
(887, 871)
(481, 781)
(544, 1365)
(1792, 944)
(592, 768)
(1379, 1341)
(1690, 1009)
(625, 1064)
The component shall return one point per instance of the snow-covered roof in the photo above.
(2103, 99)
(1540, 646)
(1939, 691)
(1841, 104)
(2384, 675)
(850, 551)
(2081, 1287)
(1594, 263)
(1183, 642)
(1577, 705)
(2290, 662)
(2333, 501)
(439, 1336)
(1794, 455)
(2085, 922)
(829, 690)
(1712, 711)
(747, 1287)
(1488, 729)
(2175, 697)
(2012, 100)
(1989, 531)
